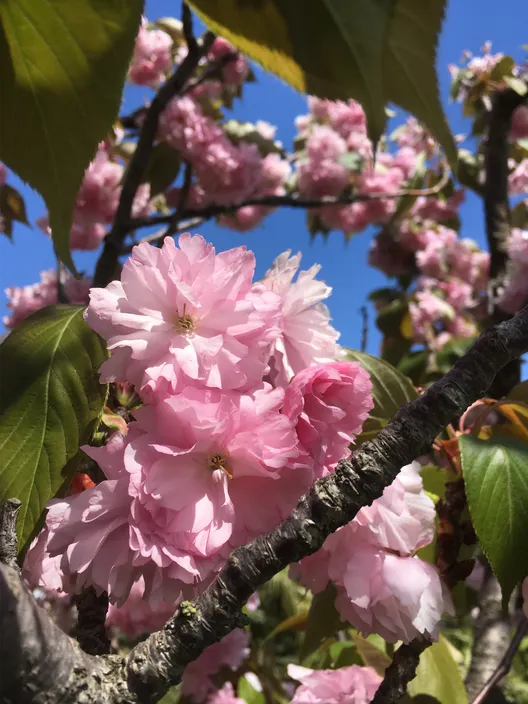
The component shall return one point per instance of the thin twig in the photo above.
(364, 329)
(289, 201)
(108, 261)
(506, 662)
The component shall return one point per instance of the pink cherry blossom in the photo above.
(136, 616)
(231, 651)
(236, 70)
(518, 179)
(152, 59)
(28, 299)
(345, 685)
(203, 462)
(185, 316)
(519, 123)
(307, 337)
(397, 597)
(403, 518)
(381, 587)
(226, 695)
(328, 403)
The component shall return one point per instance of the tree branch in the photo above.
(157, 663)
(288, 201)
(108, 261)
(505, 664)
(90, 630)
(496, 201)
(401, 671)
(491, 638)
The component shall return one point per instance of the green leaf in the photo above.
(323, 621)
(162, 168)
(496, 479)
(12, 208)
(50, 401)
(438, 676)
(374, 51)
(370, 654)
(391, 391)
(248, 693)
(63, 65)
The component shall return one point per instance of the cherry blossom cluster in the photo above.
(222, 450)
(382, 586)
(334, 156)
(28, 299)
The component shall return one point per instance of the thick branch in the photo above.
(491, 639)
(331, 503)
(157, 663)
(106, 266)
(506, 662)
(90, 630)
(288, 201)
(400, 672)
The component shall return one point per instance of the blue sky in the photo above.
(468, 24)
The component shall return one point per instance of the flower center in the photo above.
(186, 323)
(218, 461)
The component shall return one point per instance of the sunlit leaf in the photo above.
(374, 51)
(438, 676)
(63, 66)
(496, 480)
(50, 400)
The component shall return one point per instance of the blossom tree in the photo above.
(204, 497)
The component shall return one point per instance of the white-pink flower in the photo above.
(183, 316)
(28, 299)
(328, 403)
(306, 337)
(231, 651)
(381, 587)
(136, 616)
(345, 685)
(152, 58)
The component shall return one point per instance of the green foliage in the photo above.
(438, 676)
(162, 168)
(391, 390)
(496, 480)
(63, 66)
(248, 693)
(323, 621)
(50, 400)
(12, 208)
(376, 52)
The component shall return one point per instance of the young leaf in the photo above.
(391, 390)
(50, 399)
(63, 65)
(438, 676)
(496, 479)
(375, 52)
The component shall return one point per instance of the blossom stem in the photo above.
(107, 264)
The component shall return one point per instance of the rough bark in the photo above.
(54, 666)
